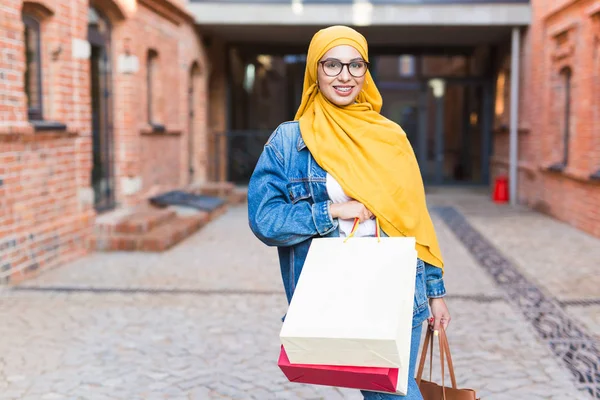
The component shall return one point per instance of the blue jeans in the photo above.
(413, 390)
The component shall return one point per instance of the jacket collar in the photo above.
(300, 145)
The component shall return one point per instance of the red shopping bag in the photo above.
(365, 378)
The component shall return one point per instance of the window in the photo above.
(565, 117)
(33, 68)
(406, 66)
(151, 85)
(249, 77)
(500, 92)
(566, 77)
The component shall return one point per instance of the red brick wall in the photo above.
(46, 200)
(161, 162)
(217, 115)
(178, 47)
(563, 34)
(42, 219)
(194, 73)
(46, 211)
(12, 102)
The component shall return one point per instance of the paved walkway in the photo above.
(201, 321)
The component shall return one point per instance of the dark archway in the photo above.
(99, 30)
(195, 76)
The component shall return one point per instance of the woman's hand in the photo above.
(441, 315)
(350, 210)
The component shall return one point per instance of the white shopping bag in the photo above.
(353, 305)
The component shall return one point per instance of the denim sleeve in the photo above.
(273, 218)
(434, 281)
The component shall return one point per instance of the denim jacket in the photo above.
(288, 205)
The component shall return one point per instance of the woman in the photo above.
(340, 160)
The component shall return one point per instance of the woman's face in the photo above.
(343, 87)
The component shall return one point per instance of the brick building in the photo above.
(559, 123)
(463, 50)
(104, 103)
(101, 104)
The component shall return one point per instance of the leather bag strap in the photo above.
(448, 355)
(442, 363)
(431, 359)
(423, 356)
(444, 353)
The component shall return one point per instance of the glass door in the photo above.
(457, 137)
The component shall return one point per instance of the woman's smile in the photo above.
(343, 90)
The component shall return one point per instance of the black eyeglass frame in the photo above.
(347, 65)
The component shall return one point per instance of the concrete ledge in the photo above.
(347, 14)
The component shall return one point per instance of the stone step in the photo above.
(231, 193)
(138, 219)
(149, 228)
(239, 195)
(160, 238)
(170, 233)
(217, 212)
(217, 189)
(144, 220)
(107, 222)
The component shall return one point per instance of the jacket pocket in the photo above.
(420, 288)
(298, 191)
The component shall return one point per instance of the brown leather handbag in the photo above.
(431, 390)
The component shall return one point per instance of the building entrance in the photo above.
(100, 85)
(445, 113)
(443, 103)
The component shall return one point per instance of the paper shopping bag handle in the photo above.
(355, 228)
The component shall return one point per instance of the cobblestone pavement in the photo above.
(561, 260)
(201, 321)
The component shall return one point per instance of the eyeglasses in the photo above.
(334, 67)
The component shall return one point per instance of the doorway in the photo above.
(100, 86)
(455, 135)
(444, 104)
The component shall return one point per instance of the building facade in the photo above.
(103, 103)
(559, 121)
(445, 70)
(434, 62)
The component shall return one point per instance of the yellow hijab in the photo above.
(369, 155)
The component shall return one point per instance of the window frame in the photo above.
(151, 60)
(566, 75)
(566, 80)
(30, 22)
